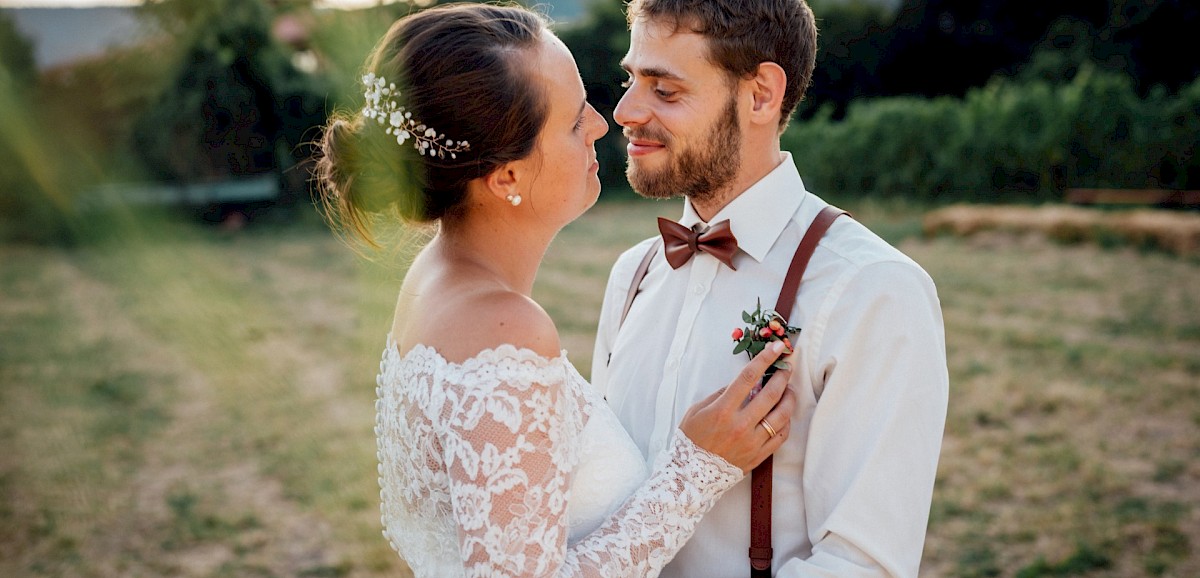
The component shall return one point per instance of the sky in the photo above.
(87, 3)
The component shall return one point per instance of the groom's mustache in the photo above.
(646, 133)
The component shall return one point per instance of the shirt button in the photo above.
(673, 363)
(699, 289)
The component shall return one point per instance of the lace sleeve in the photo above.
(653, 524)
(510, 442)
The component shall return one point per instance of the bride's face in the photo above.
(565, 180)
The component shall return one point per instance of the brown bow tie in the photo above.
(679, 242)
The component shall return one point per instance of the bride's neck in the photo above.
(495, 247)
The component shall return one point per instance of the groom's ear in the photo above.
(766, 88)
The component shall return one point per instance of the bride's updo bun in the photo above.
(462, 70)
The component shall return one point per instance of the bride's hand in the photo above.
(725, 424)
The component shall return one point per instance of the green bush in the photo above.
(236, 104)
(1008, 141)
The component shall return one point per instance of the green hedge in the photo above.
(1023, 142)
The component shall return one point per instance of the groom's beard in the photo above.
(699, 172)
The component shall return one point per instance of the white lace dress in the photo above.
(510, 464)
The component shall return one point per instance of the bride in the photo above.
(496, 458)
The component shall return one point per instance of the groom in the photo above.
(712, 84)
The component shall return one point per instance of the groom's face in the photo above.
(679, 114)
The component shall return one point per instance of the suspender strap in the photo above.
(637, 278)
(760, 519)
(760, 478)
(791, 283)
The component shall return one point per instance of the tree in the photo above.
(1142, 39)
(236, 104)
(849, 53)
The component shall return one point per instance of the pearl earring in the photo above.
(514, 199)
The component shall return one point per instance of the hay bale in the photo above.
(1171, 231)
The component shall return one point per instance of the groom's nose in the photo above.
(631, 109)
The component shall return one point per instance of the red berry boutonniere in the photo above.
(764, 326)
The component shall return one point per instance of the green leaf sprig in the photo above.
(763, 327)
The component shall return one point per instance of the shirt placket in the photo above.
(701, 273)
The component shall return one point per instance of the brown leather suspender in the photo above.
(760, 478)
(638, 275)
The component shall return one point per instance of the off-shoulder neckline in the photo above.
(486, 355)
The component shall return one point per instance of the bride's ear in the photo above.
(504, 182)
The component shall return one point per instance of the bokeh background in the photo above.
(187, 353)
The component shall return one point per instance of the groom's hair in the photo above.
(742, 34)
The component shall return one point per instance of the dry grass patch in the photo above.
(1175, 232)
(198, 404)
(1075, 390)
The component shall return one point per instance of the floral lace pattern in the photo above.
(477, 464)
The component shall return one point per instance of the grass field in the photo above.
(183, 401)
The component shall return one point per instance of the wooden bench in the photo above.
(1145, 197)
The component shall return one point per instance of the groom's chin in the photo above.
(647, 185)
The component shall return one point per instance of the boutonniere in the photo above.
(763, 327)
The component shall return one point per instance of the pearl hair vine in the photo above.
(381, 105)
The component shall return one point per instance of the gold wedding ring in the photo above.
(767, 426)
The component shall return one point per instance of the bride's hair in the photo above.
(462, 69)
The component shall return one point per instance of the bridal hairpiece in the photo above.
(382, 106)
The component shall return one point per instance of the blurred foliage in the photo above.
(16, 53)
(96, 101)
(599, 41)
(33, 189)
(344, 39)
(1139, 38)
(1044, 96)
(236, 104)
(850, 48)
(1008, 141)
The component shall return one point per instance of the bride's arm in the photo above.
(510, 437)
(510, 450)
(510, 444)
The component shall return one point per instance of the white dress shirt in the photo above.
(853, 483)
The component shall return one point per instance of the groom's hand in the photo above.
(725, 424)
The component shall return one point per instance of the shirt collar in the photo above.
(758, 216)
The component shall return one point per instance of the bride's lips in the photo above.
(640, 147)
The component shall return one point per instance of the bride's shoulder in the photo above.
(491, 319)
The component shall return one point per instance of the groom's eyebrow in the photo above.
(652, 72)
